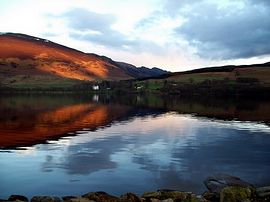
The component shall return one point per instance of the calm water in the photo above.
(62, 145)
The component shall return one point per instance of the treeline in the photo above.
(225, 87)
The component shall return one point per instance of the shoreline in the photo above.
(221, 188)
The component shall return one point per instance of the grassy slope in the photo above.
(261, 74)
(21, 82)
(34, 62)
(249, 80)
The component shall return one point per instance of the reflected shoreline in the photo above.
(34, 119)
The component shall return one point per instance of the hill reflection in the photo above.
(31, 119)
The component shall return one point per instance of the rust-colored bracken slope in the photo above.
(25, 55)
(36, 127)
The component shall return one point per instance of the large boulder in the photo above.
(68, 198)
(80, 199)
(216, 183)
(263, 191)
(130, 197)
(171, 194)
(18, 198)
(209, 196)
(235, 194)
(100, 197)
(45, 199)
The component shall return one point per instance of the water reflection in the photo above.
(126, 145)
(24, 123)
(27, 120)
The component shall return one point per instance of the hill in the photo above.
(27, 61)
(255, 73)
(244, 80)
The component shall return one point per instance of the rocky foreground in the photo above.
(221, 188)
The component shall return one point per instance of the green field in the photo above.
(21, 82)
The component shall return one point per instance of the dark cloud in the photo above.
(228, 32)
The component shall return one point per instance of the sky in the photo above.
(175, 35)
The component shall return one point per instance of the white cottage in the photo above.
(95, 87)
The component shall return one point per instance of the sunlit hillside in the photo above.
(24, 59)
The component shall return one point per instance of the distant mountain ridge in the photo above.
(133, 71)
(225, 68)
(141, 72)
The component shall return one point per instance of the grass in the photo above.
(261, 74)
(21, 82)
(197, 78)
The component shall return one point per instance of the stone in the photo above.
(176, 195)
(130, 197)
(154, 200)
(81, 199)
(45, 199)
(168, 200)
(209, 196)
(100, 197)
(155, 194)
(235, 194)
(263, 191)
(169, 194)
(68, 198)
(216, 183)
(18, 198)
(201, 198)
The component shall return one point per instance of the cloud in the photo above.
(84, 20)
(97, 28)
(94, 27)
(172, 7)
(152, 19)
(227, 32)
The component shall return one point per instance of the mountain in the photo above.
(27, 55)
(31, 60)
(141, 72)
(136, 72)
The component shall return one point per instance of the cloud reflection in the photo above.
(180, 160)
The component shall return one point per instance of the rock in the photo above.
(168, 194)
(45, 199)
(168, 200)
(216, 183)
(17, 198)
(81, 199)
(156, 194)
(100, 197)
(154, 200)
(235, 194)
(263, 191)
(209, 196)
(129, 197)
(202, 199)
(68, 198)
